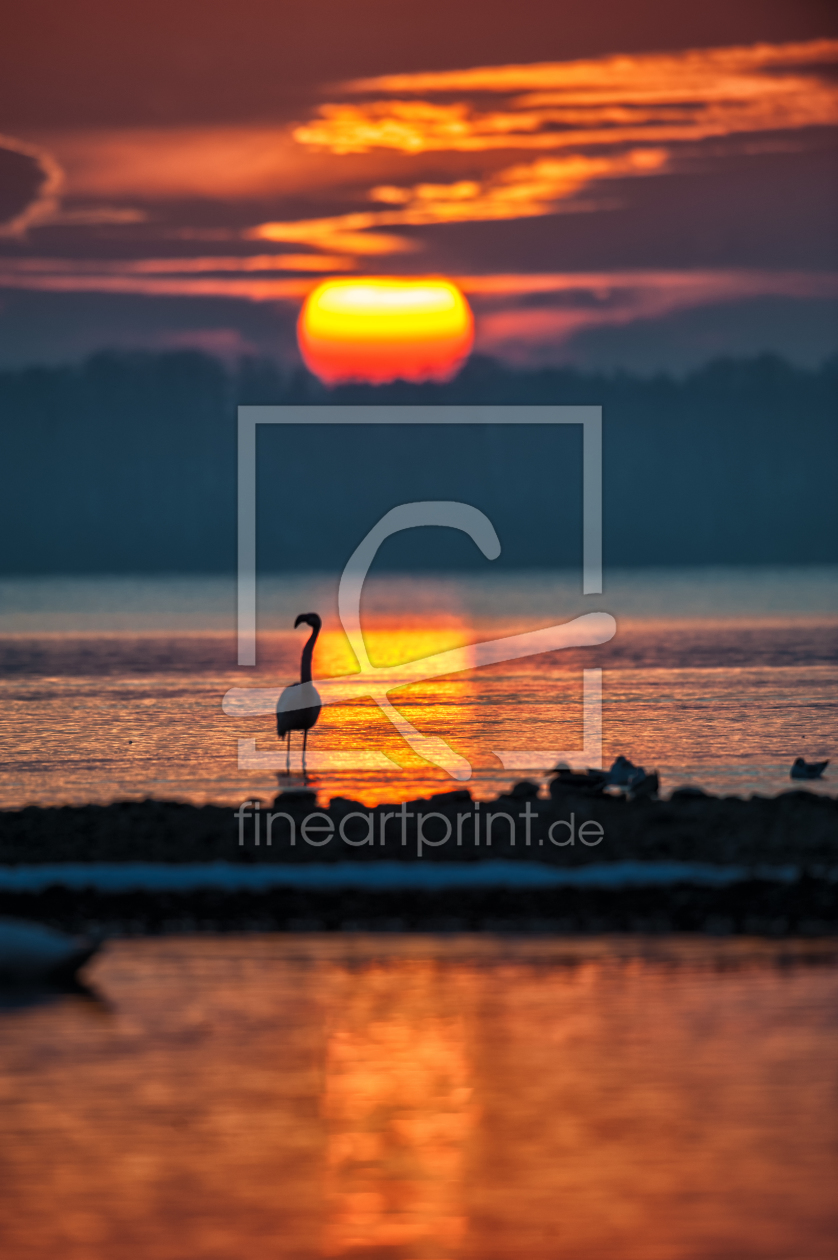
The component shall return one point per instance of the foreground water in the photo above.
(112, 688)
(422, 1098)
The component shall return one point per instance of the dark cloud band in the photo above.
(30, 181)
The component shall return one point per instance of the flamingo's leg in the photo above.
(288, 752)
(305, 741)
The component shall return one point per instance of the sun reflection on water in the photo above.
(394, 1097)
(397, 1102)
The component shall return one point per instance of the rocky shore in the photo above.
(797, 831)
(570, 827)
(807, 907)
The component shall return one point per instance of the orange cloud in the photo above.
(550, 121)
(611, 105)
(644, 71)
(342, 232)
(609, 117)
(519, 191)
(685, 95)
(522, 191)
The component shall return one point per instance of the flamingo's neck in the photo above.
(308, 653)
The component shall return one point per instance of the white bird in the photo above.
(31, 951)
(291, 715)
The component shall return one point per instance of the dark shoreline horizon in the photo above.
(797, 830)
(690, 825)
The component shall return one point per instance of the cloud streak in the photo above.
(681, 96)
(174, 266)
(512, 330)
(604, 110)
(205, 162)
(519, 192)
(508, 325)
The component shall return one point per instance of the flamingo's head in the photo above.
(308, 619)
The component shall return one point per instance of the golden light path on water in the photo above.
(378, 329)
(92, 719)
(409, 1098)
(113, 690)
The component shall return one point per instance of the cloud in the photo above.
(522, 191)
(94, 216)
(39, 185)
(621, 116)
(612, 117)
(553, 120)
(40, 179)
(529, 318)
(346, 233)
(703, 284)
(71, 279)
(174, 266)
(206, 162)
(520, 318)
(622, 68)
(399, 154)
(686, 95)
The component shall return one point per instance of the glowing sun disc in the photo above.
(382, 329)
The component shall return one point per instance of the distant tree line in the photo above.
(127, 463)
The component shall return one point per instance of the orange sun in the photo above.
(379, 330)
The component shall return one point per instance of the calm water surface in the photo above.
(421, 1098)
(112, 688)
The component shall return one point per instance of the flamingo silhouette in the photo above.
(290, 715)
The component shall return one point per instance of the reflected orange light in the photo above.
(378, 330)
(398, 1108)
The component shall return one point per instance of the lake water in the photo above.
(112, 688)
(423, 1098)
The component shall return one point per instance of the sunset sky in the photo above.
(611, 184)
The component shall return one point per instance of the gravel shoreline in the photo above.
(797, 828)
(806, 908)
